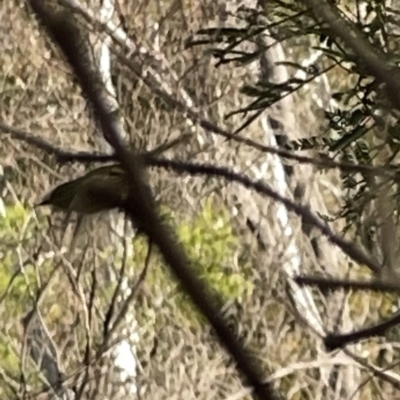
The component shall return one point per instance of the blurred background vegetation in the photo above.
(246, 66)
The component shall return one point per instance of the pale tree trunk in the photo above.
(124, 353)
(283, 230)
(277, 122)
(268, 168)
(41, 347)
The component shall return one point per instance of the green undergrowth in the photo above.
(19, 284)
(208, 238)
(214, 250)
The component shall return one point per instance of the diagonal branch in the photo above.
(64, 156)
(140, 207)
(304, 212)
(367, 56)
(332, 284)
(335, 341)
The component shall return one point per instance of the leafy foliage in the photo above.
(214, 248)
(19, 283)
(360, 123)
(212, 243)
(209, 239)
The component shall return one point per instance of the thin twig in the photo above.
(332, 284)
(133, 292)
(141, 207)
(334, 341)
(308, 216)
(366, 56)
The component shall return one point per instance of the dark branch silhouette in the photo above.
(141, 208)
(365, 54)
(335, 341)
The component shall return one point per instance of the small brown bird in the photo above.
(101, 189)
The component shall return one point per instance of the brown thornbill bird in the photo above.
(101, 189)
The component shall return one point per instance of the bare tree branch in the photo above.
(203, 169)
(335, 341)
(141, 208)
(331, 284)
(64, 156)
(366, 56)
